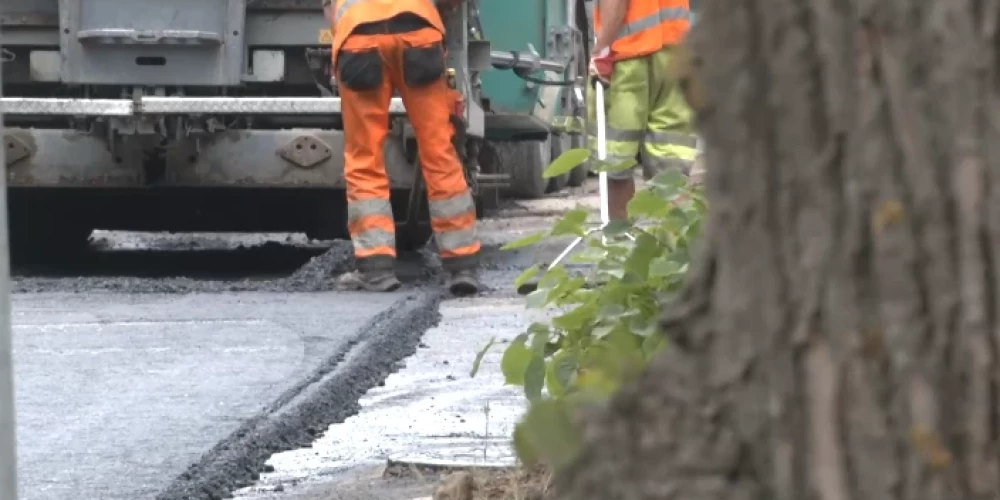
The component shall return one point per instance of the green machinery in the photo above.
(558, 30)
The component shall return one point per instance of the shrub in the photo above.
(599, 336)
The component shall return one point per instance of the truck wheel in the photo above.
(578, 175)
(584, 22)
(560, 143)
(488, 199)
(524, 161)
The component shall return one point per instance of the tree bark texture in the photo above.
(838, 336)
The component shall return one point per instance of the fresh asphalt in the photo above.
(132, 385)
(153, 382)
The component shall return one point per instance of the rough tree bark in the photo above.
(838, 337)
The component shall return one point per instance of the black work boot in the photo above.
(369, 281)
(463, 282)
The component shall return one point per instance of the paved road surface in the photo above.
(119, 394)
(151, 381)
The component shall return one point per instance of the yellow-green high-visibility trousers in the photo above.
(648, 120)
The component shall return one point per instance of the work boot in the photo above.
(369, 281)
(463, 283)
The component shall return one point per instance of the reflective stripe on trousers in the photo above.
(645, 136)
(454, 222)
(650, 165)
(372, 229)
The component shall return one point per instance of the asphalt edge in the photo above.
(327, 396)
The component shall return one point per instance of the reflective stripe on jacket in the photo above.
(348, 14)
(649, 25)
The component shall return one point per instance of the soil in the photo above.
(498, 483)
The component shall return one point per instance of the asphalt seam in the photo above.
(329, 395)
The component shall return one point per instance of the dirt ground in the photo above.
(478, 483)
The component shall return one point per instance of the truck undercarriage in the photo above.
(198, 115)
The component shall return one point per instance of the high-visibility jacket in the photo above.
(348, 14)
(649, 26)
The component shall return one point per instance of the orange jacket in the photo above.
(348, 14)
(649, 26)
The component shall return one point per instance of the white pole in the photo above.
(8, 441)
(602, 152)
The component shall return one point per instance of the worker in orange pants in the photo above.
(378, 46)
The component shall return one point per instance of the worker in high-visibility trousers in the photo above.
(648, 120)
(378, 46)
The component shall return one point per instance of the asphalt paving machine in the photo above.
(218, 115)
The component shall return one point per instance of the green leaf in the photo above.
(537, 299)
(669, 178)
(617, 228)
(576, 318)
(534, 379)
(539, 338)
(524, 242)
(524, 447)
(547, 434)
(663, 266)
(596, 381)
(652, 345)
(624, 353)
(514, 363)
(565, 289)
(526, 276)
(559, 372)
(590, 255)
(479, 357)
(642, 326)
(646, 249)
(603, 331)
(646, 203)
(572, 222)
(612, 311)
(566, 162)
(553, 277)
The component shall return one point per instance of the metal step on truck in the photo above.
(218, 115)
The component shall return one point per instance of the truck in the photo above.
(219, 115)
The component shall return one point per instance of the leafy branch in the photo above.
(604, 328)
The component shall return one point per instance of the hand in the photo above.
(601, 66)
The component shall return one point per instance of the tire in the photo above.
(524, 161)
(584, 22)
(489, 163)
(578, 176)
(560, 144)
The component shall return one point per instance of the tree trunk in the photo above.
(838, 336)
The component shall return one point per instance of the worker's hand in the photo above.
(601, 66)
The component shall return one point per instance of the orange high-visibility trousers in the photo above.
(369, 67)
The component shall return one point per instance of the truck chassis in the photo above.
(217, 115)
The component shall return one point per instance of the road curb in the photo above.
(328, 396)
